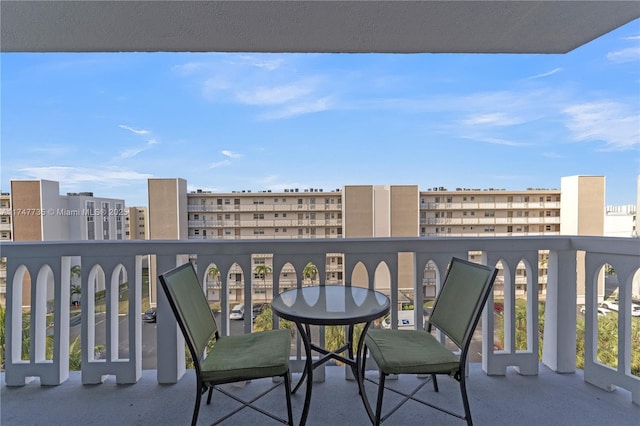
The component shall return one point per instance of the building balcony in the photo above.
(507, 386)
(546, 399)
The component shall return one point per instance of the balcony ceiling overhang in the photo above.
(436, 26)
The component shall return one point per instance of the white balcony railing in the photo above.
(43, 269)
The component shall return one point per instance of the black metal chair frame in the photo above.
(202, 387)
(460, 375)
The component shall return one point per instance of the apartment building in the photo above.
(620, 221)
(361, 211)
(135, 225)
(39, 213)
(5, 217)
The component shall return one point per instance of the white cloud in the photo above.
(231, 154)
(219, 164)
(629, 54)
(132, 130)
(293, 110)
(614, 123)
(271, 64)
(497, 141)
(492, 119)
(274, 95)
(546, 74)
(75, 175)
(132, 152)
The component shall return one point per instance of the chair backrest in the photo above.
(463, 295)
(190, 306)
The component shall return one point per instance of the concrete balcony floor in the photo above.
(543, 400)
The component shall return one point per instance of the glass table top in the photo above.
(330, 305)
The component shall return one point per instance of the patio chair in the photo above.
(225, 359)
(455, 313)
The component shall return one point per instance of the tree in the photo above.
(214, 273)
(263, 270)
(76, 289)
(309, 272)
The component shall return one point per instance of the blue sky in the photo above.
(105, 122)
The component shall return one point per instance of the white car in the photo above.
(237, 313)
(601, 310)
(613, 305)
(405, 321)
(610, 304)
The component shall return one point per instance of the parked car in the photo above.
(149, 315)
(610, 304)
(237, 313)
(613, 305)
(601, 310)
(405, 320)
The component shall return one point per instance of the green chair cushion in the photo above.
(410, 352)
(248, 356)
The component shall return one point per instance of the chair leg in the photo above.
(378, 419)
(287, 389)
(196, 409)
(209, 395)
(465, 401)
(435, 382)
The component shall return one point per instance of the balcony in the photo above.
(506, 386)
(546, 399)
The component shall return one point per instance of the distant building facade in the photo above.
(136, 224)
(39, 213)
(361, 211)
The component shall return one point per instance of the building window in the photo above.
(258, 232)
(490, 213)
(258, 201)
(258, 216)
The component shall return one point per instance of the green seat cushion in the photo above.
(410, 352)
(246, 357)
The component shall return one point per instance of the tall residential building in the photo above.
(5, 217)
(40, 213)
(136, 224)
(378, 211)
(5, 235)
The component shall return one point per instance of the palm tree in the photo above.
(76, 289)
(310, 272)
(263, 270)
(214, 273)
